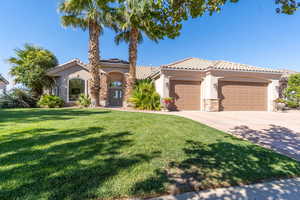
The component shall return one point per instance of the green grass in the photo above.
(95, 154)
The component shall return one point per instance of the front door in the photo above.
(115, 97)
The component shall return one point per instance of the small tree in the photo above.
(29, 67)
(292, 92)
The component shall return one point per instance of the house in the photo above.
(195, 84)
(3, 84)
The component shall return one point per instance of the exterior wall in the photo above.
(2, 88)
(160, 86)
(271, 79)
(210, 97)
(210, 83)
(62, 80)
(63, 77)
(113, 69)
(273, 94)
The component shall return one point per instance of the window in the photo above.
(76, 87)
(116, 84)
(55, 90)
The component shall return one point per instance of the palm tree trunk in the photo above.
(94, 62)
(134, 33)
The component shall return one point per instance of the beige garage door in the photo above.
(239, 96)
(186, 95)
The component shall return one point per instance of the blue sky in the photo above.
(248, 32)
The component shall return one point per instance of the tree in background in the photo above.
(183, 9)
(91, 15)
(292, 92)
(29, 67)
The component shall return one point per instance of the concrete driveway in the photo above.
(275, 130)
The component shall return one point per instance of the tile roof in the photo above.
(115, 60)
(143, 72)
(64, 66)
(201, 64)
(190, 63)
(225, 65)
(287, 73)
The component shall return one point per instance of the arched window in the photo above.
(76, 87)
(115, 84)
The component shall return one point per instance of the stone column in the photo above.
(273, 94)
(210, 94)
(127, 83)
(104, 89)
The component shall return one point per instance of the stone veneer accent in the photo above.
(103, 90)
(127, 83)
(212, 105)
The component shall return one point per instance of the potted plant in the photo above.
(280, 104)
(167, 102)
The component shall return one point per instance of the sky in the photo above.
(248, 32)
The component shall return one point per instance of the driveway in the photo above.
(288, 189)
(275, 130)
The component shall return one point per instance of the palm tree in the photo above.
(91, 15)
(132, 20)
(29, 67)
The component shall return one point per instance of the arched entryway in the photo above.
(115, 88)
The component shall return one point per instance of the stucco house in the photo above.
(3, 84)
(195, 84)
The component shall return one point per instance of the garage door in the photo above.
(239, 96)
(186, 95)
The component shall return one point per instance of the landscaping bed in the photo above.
(102, 154)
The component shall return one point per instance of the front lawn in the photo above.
(95, 154)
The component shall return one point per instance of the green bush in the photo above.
(50, 101)
(292, 92)
(292, 104)
(17, 98)
(144, 96)
(84, 101)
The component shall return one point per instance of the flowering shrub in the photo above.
(279, 100)
(167, 100)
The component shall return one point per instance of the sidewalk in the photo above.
(288, 189)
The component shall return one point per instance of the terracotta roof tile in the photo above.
(190, 63)
(225, 65)
(201, 64)
(143, 72)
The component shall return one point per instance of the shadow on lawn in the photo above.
(73, 165)
(36, 115)
(219, 164)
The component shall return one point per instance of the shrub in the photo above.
(292, 92)
(84, 101)
(50, 101)
(292, 104)
(17, 98)
(144, 96)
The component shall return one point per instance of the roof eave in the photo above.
(168, 68)
(250, 71)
